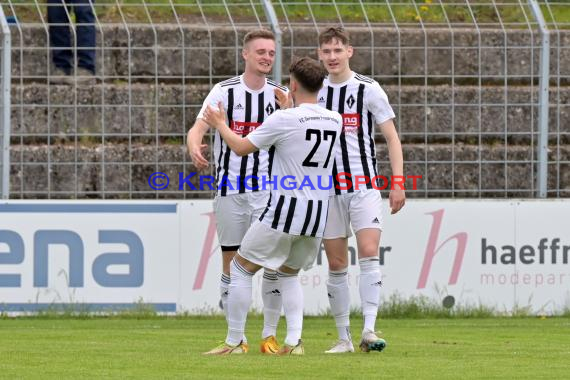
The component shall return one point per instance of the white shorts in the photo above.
(235, 213)
(361, 209)
(269, 248)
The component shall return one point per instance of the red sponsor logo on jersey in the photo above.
(244, 128)
(350, 122)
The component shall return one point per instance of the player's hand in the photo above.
(215, 117)
(284, 100)
(397, 200)
(197, 155)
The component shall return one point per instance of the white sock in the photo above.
(272, 303)
(339, 298)
(224, 287)
(293, 306)
(224, 291)
(239, 301)
(369, 286)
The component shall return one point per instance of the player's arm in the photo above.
(194, 143)
(397, 193)
(216, 118)
(197, 132)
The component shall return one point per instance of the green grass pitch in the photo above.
(170, 348)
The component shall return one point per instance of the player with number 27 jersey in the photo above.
(288, 234)
(306, 141)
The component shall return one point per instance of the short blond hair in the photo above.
(258, 33)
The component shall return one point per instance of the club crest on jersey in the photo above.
(350, 101)
(244, 128)
(238, 107)
(269, 109)
(350, 122)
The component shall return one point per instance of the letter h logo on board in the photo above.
(431, 250)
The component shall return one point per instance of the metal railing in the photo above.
(543, 101)
(468, 81)
(5, 66)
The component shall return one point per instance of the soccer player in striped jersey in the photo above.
(248, 100)
(288, 234)
(364, 107)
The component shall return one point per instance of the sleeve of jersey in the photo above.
(267, 134)
(215, 96)
(378, 104)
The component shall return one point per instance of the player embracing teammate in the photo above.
(288, 233)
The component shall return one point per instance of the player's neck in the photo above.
(305, 98)
(253, 81)
(340, 77)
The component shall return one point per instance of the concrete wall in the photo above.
(405, 54)
(120, 110)
(117, 169)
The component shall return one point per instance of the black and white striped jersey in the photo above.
(363, 104)
(245, 109)
(306, 139)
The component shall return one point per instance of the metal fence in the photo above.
(464, 78)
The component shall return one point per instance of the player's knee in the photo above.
(337, 262)
(368, 250)
(227, 257)
(226, 268)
